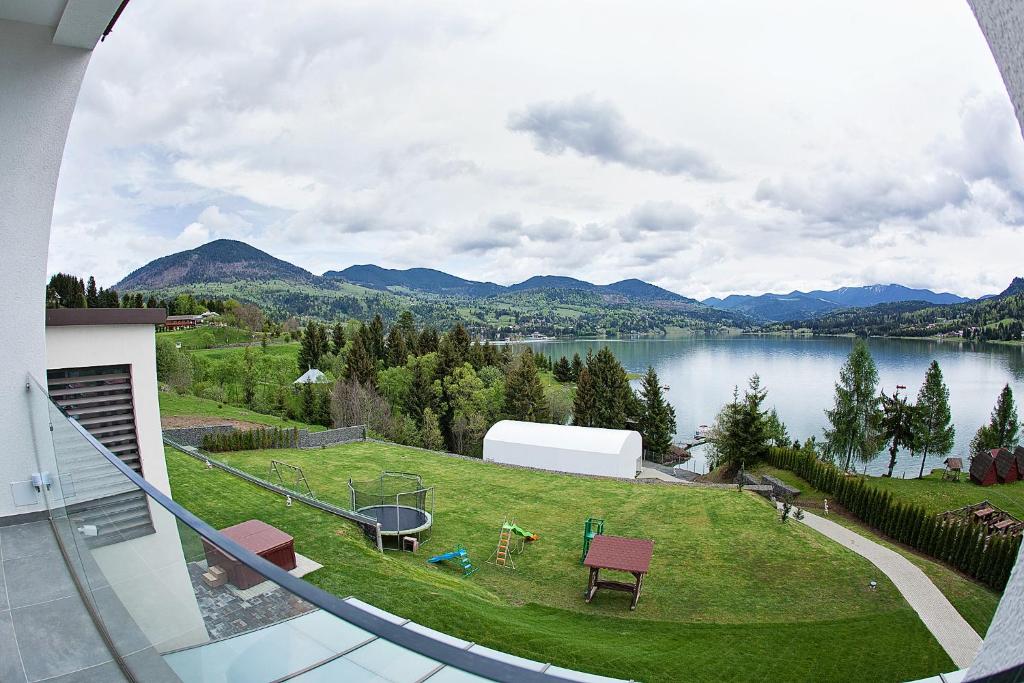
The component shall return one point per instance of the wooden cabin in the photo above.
(983, 468)
(954, 466)
(1006, 466)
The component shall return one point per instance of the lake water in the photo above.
(800, 374)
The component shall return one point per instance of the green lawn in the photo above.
(975, 602)
(732, 594)
(186, 405)
(937, 495)
(286, 349)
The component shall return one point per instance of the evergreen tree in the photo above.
(577, 365)
(375, 338)
(777, 432)
(741, 432)
(92, 298)
(658, 420)
(421, 392)
(854, 420)
(313, 346)
(524, 394)
(337, 338)
(430, 432)
(452, 351)
(933, 432)
(583, 401)
(1002, 429)
(397, 350)
(151, 302)
(427, 342)
(896, 426)
(615, 405)
(309, 408)
(562, 370)
(360, 365)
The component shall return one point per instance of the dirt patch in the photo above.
(184, 421)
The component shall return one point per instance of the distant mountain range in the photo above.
(802, 305)
(551, 304)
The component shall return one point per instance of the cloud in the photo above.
(597, 129)
(657, 217)
(500, 232)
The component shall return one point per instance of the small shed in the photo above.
(983, 468)
(565, 448)
(954, 466)
(312, 376)
(1006, 466)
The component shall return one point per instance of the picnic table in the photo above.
(618, 553)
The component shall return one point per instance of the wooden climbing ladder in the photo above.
(502, 555)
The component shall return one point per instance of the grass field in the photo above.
(975, 602)
(732, 595)
(205, 336)
(936, 495)
(186, 405)
(286, 349)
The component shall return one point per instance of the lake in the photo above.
(800, 374)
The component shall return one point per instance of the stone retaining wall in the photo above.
(193, 436)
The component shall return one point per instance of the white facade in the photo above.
(565, 448)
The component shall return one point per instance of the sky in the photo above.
(709, 148)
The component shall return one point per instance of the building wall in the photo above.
(76, 346)
(39, 83)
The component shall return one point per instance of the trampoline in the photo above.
(399, 502)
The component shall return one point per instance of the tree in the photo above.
(896, 425)
(338, 338)
(360, 365)
(421, 388)
(430, 432)
(855, 417)
(313, 347)
(583, 402)
(353, 403)
(375, 338)
(576, 365)
(932, 428)
(615, 405)
(658, 419)
(397, 349)
(524, 394)
(740, 433)
(92, 298)
(1002, 429)
(562, 370)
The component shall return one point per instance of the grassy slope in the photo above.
(204, 337)
(975, 602)
(287, 349)
(172, 404)
(732, 593)
(937, 495)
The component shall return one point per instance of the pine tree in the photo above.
(615, 405)
(427, 341)
(933, 432)
(576, 366)
(562, 370)
(658, 419)
(1002, 429)
(313, 346)
(338, 338)
(92, 298)
(375, 338)
(854, 419)
(583, 402)
(421, 393)
(360, 365)
(524, 394)
(896, 426)
(397, 350)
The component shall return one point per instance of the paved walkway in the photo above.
(954, 634)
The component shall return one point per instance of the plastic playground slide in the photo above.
(529, 536)
(458, 554)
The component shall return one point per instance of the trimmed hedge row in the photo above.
(251, 440)
(962, 545)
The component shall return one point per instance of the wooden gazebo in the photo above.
(622, 554)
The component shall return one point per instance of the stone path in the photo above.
(952, 631)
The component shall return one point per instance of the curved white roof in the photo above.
(569, 437)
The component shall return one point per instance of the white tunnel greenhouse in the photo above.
(565, 448)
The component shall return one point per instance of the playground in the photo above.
(730, 594)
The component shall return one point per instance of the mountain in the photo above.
(217, 261)
(800, 305)
(419, 279)
(552, 282)
(638, 289)
(1016, 287)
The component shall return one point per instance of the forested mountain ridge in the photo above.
(999, 318)
(800, 305)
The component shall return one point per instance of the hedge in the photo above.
(965, 546)
(251, 440)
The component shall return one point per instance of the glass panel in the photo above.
(176, 606)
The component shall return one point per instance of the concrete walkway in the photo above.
(952, 631)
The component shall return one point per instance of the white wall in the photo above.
(39, 84)
(566, 459)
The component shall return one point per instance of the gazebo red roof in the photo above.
(620, 553)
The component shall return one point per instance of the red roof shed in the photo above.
(1006, 466)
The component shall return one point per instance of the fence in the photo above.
(193, 436)
(966, 546)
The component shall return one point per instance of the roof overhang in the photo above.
(76, 23)
(58, 317)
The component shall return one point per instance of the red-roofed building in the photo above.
(983, 468)
(1006, 466)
